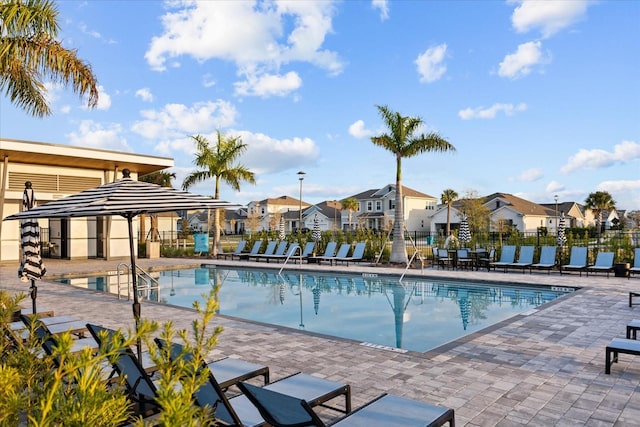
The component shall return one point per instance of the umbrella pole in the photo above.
(134, 282)
(34, 295)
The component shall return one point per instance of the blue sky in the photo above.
(539, 98)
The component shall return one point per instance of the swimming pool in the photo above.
(417, 314)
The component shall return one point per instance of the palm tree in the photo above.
(599, 202)
(351, 205)
(447, 197)
(402, 141)
(216, 162)
(163, 179)
(30, 54)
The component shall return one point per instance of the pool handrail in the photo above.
(289, 255)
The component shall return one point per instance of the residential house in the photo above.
(377, 208)
(265, 214)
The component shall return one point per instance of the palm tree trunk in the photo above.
(398, 248)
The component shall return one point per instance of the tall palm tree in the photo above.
(163, 179)
(351, 205)
(403, 141)
(30, 54)
(216, 162)
(599, 202)
(447, 197)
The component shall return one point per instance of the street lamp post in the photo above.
(301, 175)
(556, 199)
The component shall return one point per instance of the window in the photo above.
(369, 206)
(378, 205)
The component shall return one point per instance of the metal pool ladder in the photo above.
(146, 283)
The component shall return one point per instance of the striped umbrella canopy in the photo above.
(562, 238)
(31, 266)
(281, 233)
(127, 198)
(464, 234)
(315, 235)
(316, 298)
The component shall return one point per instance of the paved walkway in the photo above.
(542, 369)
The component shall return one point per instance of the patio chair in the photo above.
(356, 256)
(235, 253)
(279, 251)
(635, 269)
(603, 264)
(507, 256)
(329, 251)
(280, 410)
(464, 259)
(254, 250)
(547, 259)
(343, 251)
(239, 411)
(485, 259)
(577, 260)
(525, 258)
(444, 260)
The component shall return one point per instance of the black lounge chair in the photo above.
(485, 259)
(227, 371)
(280, 410)
(444, 260)
(464, 259)
(577, 260)
(615, 347)
(547, 259)
(239, 411)
(603, 264)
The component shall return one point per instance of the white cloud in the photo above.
(626, 194)
(145, 94)
(259, 39)
(549, 16)
(554, 187)
(269, 155)
(624, 152)
(520, 63)
(176, 120)
(357, 130)
(430, 63)
(96, 135)
(266, 85)
(529, 175)
(104, 99)
(208, 80)
(383, 7)
(490, 113)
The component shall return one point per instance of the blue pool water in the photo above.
(417, 314)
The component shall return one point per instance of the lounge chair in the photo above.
(290, 253)
(140, 388)
(280, 410)
(280, 249)
(269, 250)
(577, 260)
(309, 247)
(343, 252)
(603, 264)
(236, 253)
(254, 250)
(525, 258)
(329, 252)
(356, 256)
(616, 346)
(507, 257)
(239, 411)
(463, 259)
(636, 263)
(547, 259)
